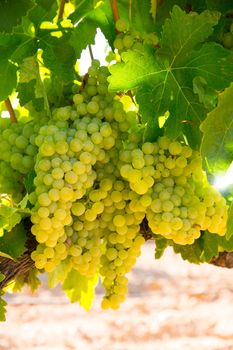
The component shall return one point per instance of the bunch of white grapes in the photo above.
(17, 155)
(130, 39)
(64, 169)
(173, 190)
(96, 181)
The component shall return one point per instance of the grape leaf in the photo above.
(58, 55)
(29, 181)
(98, 15)
(2, 310)
(164, 78)
(217, 128)
(9, 217)
(8, 78)
(23, 203)
(191, 252)
(165, 7)
(44, 10)
(26, 93)
(11, 13)
(32, 280)
(207, 95)
(219, 5)
(83, 8)
(80, 41)
(30, 86)
(103, 19)
(229, 232)
(17, 285)
(13, 242)
(210, 246)
(226, 244)
(13, 49)
(80, 288)
(161, 244)
(138, 14)
(59, 274)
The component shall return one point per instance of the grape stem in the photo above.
(11, 111)
(115, 11)
(130, 10)
(91, 52)
(61, 9)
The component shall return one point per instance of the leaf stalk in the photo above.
(11, 111)
(115, 11)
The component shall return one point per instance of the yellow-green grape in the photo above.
(121, 25)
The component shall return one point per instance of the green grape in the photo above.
(228, 40)
(92, 107)
(120, 25)
(128, 41)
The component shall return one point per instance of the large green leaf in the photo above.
(79, 40)
(138, 14)
(226, 244)
(202, 250)
(83, 8)
(29, 181)
(217, 145)
(59, 56)
(80, 288)
(9, 217)
(164, 78)
(220, 5)
(44, 10)
(210, 246)
(8, 78)
(30, 87)
(191, 253)
(13, 243)
(103, 19)
(11, 13)
(13, 49)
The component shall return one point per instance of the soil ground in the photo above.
(172, 305)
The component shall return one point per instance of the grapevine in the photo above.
(93, 166)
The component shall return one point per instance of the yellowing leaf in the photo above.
(217, 144)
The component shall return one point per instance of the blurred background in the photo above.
(171, 305)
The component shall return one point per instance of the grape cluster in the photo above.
(173, 190)
(17, 155)
(64, 168)
(121, 231)
(79, 202)
(96, 181)
(130, 39)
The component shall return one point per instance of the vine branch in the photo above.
(115, 11)
(10, 110)
(61, 9)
